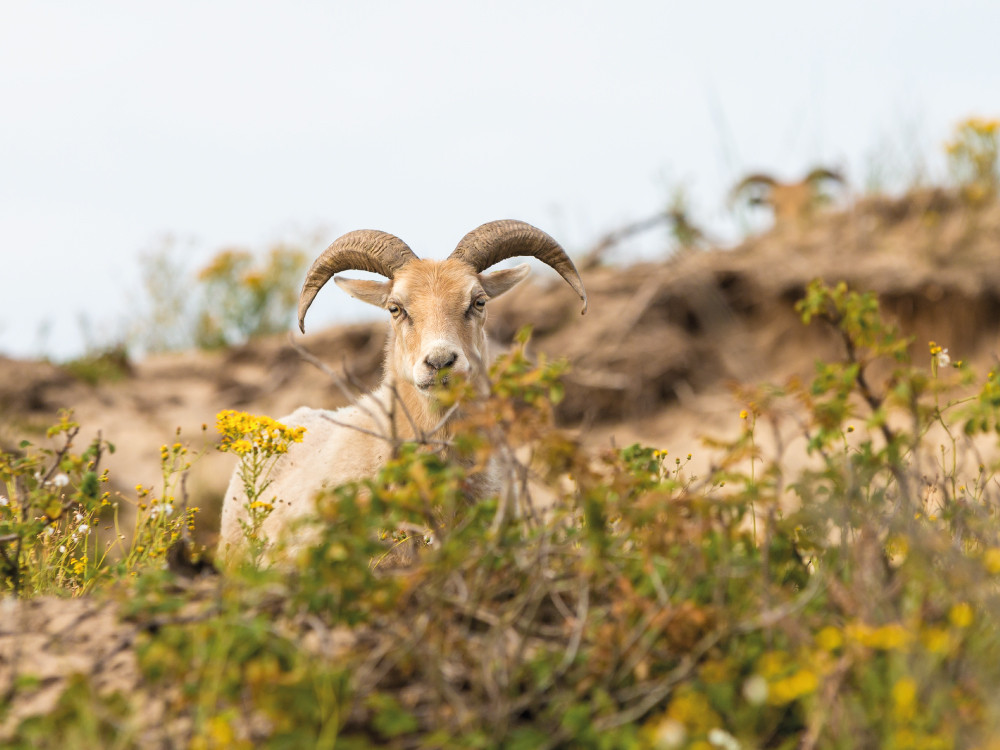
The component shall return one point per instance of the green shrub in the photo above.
(59, 529)
(108, 365)
(849, 603)
(236, 296)
(243, 299)
(974, 159)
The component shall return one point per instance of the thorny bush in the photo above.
(846, 604)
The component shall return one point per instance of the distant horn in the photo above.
(499, 240)
(361, 250)
(821, 173)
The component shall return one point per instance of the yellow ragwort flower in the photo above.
(788, 689)
(960, 615)
(829, 638)
(991, 560)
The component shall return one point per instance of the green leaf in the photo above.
(89, 484)
(390, 718)
(577, 719)
(527, 738)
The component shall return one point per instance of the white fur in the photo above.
(329, 455)
(332, 454)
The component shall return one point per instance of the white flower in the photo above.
(166, 509)
(669, 734)
(62, 548)
(722, 738)
(4, 501)
(755, 690)
(50, 530)
(84, 529)
(77, 516)
(60, 480)
(943, 359)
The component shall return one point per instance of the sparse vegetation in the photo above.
(236, 296)
(829, 579)
(243, 298)
(974, 159)
(849, 603)
(104, 366)
(59, 527)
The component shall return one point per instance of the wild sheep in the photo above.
(438, 312)
(793, 203)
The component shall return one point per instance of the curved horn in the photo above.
(499, 240)
(758, 178)
(361, 250)
(821, 173)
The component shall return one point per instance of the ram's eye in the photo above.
(395, 310)
(479, 303)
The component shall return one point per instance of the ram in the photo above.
(438, 312)
(794, 203)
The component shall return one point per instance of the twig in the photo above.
(341, 381)
(655, 693)
(363, 430)
(593, 256)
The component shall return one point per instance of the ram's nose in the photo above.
(438, 359)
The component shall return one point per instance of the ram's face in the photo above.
(438, 311)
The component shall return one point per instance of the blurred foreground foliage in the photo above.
(850, 602)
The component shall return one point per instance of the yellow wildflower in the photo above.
(936, 640)
(803, 682)
(693, 711)
(904, 699)
(960, 615)
(891, 637)
(829, 638)
(772, 663)
(241, 447)
(897, 547)
(991, 560)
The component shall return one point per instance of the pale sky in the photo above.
(237, 123)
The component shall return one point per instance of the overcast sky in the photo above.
(238, 123)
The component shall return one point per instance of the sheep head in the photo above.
(790, 201)
(438, 308)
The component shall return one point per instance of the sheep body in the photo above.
(330, 454)
(438, 311)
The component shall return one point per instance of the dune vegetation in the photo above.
(826, 575)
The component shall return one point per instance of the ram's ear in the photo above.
(498, 282)
(373, 292)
